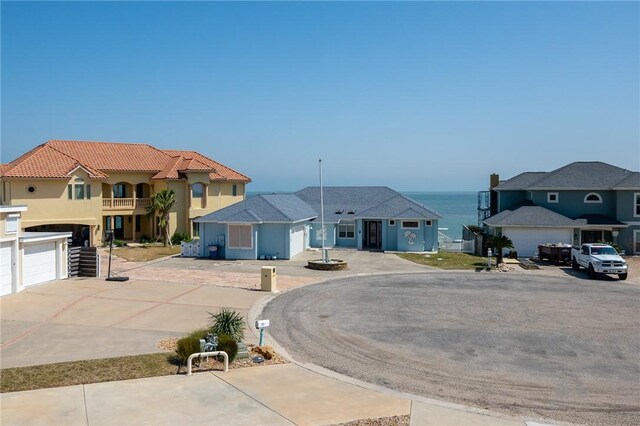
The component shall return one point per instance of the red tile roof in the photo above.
(58, 159)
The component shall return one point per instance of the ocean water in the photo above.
(457, 208)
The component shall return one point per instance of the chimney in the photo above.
(494, 180)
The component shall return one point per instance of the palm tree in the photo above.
(499, 242)
(161, 205)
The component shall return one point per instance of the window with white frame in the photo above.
(392, 222)
(427, 223)
(346, 230)
(410, 224)
(240, 236)
(593, 197)
(636, 206)
(552, 197)
(78, 190)
(11, 225)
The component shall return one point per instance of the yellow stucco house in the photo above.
(89, 187)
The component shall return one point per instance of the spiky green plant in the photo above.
(499, 243)
(228, 321)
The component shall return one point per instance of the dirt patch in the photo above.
(380, 421)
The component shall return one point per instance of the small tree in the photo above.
(161, 204)
(499, 242)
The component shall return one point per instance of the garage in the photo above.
(296, 245)
(526, 240)
(6, 268)
(39, 263)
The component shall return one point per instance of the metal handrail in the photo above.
(201, 354)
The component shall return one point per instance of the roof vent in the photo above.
(339, 211)
(351, 212)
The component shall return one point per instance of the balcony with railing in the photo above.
(125, 203)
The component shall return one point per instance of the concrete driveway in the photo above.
(562, 347)
(92, 318)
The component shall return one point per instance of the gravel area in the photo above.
(211, 363)
(381, 421)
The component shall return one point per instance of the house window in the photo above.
(636, 210)
(78, 190)
(138, 217)
(427, 222)
(347, 230)
(593, 197)
(234, 190)
(410, 224)
(11, 225)
(197, 190)
(240, 236)
(195, 229)
(552, 197)
(119, 190)
(392, 222)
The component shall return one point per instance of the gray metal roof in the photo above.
(369, 202)
(532, 216)
(263, 208)
(577, 175)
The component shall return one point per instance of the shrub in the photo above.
(145, 240)
(179, 237)
(228, 321)
(187, 346)
(118, 243)
(228, 344)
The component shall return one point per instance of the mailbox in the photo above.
(268, 278)
(262, 324)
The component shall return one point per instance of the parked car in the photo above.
(598, 259)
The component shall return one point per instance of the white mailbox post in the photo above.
(261, 325)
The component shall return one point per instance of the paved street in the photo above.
(560, 347)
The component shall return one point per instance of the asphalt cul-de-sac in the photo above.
(562, 348)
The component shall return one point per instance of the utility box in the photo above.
(268, 278)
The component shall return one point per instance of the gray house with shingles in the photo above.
(582, 202)
(284, 225)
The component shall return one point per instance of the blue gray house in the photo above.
(582, 202)
(284, 225)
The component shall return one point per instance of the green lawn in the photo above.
(447, 260)
(82, 372)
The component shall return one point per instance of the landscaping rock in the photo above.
(266, 351)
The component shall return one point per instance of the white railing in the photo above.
(207, 354)
(125, 203)
(446, 243)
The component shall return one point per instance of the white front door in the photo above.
(296, 244)
(6, 268)
(39, 263)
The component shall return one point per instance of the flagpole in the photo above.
(324, 257)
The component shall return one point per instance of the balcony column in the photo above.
(134, 196)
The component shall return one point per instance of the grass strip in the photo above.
(443, 260)
(90, 371)
(145, 253)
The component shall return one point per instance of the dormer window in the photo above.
(593, 197)
(552, 197)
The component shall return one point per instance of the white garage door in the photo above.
(39, 264)
(6, 259)
(526, 240)
(296, 245)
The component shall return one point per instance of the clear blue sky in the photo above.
(416, 96)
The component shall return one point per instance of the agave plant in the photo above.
(228, 321)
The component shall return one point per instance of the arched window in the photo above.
(593, 197)
(197, 190)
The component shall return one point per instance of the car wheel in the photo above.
(592, 272)
(574, 264)
(622, 277)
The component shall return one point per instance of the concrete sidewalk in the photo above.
(282, 394)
